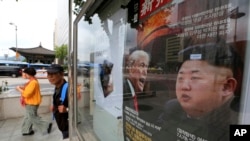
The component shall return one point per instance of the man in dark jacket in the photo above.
(60, 106)
(133, 86)
(206, 84)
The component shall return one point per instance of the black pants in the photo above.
(62, 123)
(65, 134)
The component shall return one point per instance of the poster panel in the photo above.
(108, 66)
(183, 75)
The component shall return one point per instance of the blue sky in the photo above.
(35, 20)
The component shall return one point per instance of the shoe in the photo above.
(30, 133)
(49, 128)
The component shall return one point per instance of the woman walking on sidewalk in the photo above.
(32, 99)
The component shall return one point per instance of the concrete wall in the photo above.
(10, 107)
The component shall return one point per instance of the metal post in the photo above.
(235, 14)
(17, 56)
(235, 24)
(16, 40)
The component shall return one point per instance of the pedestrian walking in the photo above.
(31, 95)
(55, 75)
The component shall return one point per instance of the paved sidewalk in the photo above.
(10, 130)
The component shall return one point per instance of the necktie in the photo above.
(135, 103)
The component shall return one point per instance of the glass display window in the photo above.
(161, 69)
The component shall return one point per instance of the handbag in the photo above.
(22, 101)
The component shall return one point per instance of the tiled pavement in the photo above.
(10, 130)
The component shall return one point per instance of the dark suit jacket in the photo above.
(177, 126)
(128, 99)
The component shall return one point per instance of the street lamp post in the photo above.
(16, 39)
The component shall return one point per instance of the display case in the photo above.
(157, 70)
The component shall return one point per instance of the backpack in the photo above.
(64, 91)
(63, 95)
